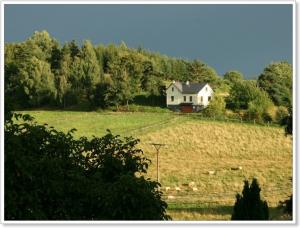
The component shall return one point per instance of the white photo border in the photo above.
(154, 2)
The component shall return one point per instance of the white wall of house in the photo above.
(194, 98)
(174, 92)
(205, 93)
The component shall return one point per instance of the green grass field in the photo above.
(96, 123)
(216, 156)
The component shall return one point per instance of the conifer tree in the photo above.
(249, 205)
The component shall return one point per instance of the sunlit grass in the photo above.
(195, 148)
(232, 151)
(96, 123)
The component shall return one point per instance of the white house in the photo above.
(188, 97)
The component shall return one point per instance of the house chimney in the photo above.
(187, 83)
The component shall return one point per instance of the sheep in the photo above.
(211, 172)
(195, 189)
(192, 184)
(167, 189)
(177, 189)
(171, 197)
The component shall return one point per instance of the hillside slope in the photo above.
(216, 156)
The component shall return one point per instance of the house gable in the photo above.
(205, 89)
(176, 85)
(169, 89)
(174, 97)
(205, 95)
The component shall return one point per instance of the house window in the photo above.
(172, 89)
(209, 98)
(184, 98)
(172, 98)
(201, 98)
(191, 98)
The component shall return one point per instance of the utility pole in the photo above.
(157, 147)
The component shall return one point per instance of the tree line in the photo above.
(39, 71)
(42, 72)
(256, 99)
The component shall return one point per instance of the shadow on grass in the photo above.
(274, 212)
(217, 210)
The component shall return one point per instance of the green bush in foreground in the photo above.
(51, 176)
(249, 206)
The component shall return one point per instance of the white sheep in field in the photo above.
(171, 197)
(212, 172)
(167, 189)
(177, 189)
(195, 189)
(192, 184)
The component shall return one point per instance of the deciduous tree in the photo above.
(49, 175)
(276, 80)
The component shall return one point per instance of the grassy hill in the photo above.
(216, 156)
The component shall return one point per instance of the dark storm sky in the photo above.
(226, 37)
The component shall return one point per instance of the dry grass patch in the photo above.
(197, 147)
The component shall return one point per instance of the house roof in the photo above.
(189, 88)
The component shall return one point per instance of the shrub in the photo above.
(49, 175)
(240, 94)
(281, 114)
(246, 95)
(258, 108)
(287, 121)
(216, 107)
(287, 205)
(249, 206)
(267, 117)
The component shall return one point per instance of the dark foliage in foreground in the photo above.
(249, 206)
(50, 175)
(287, 205)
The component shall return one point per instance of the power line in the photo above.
(157, 147)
